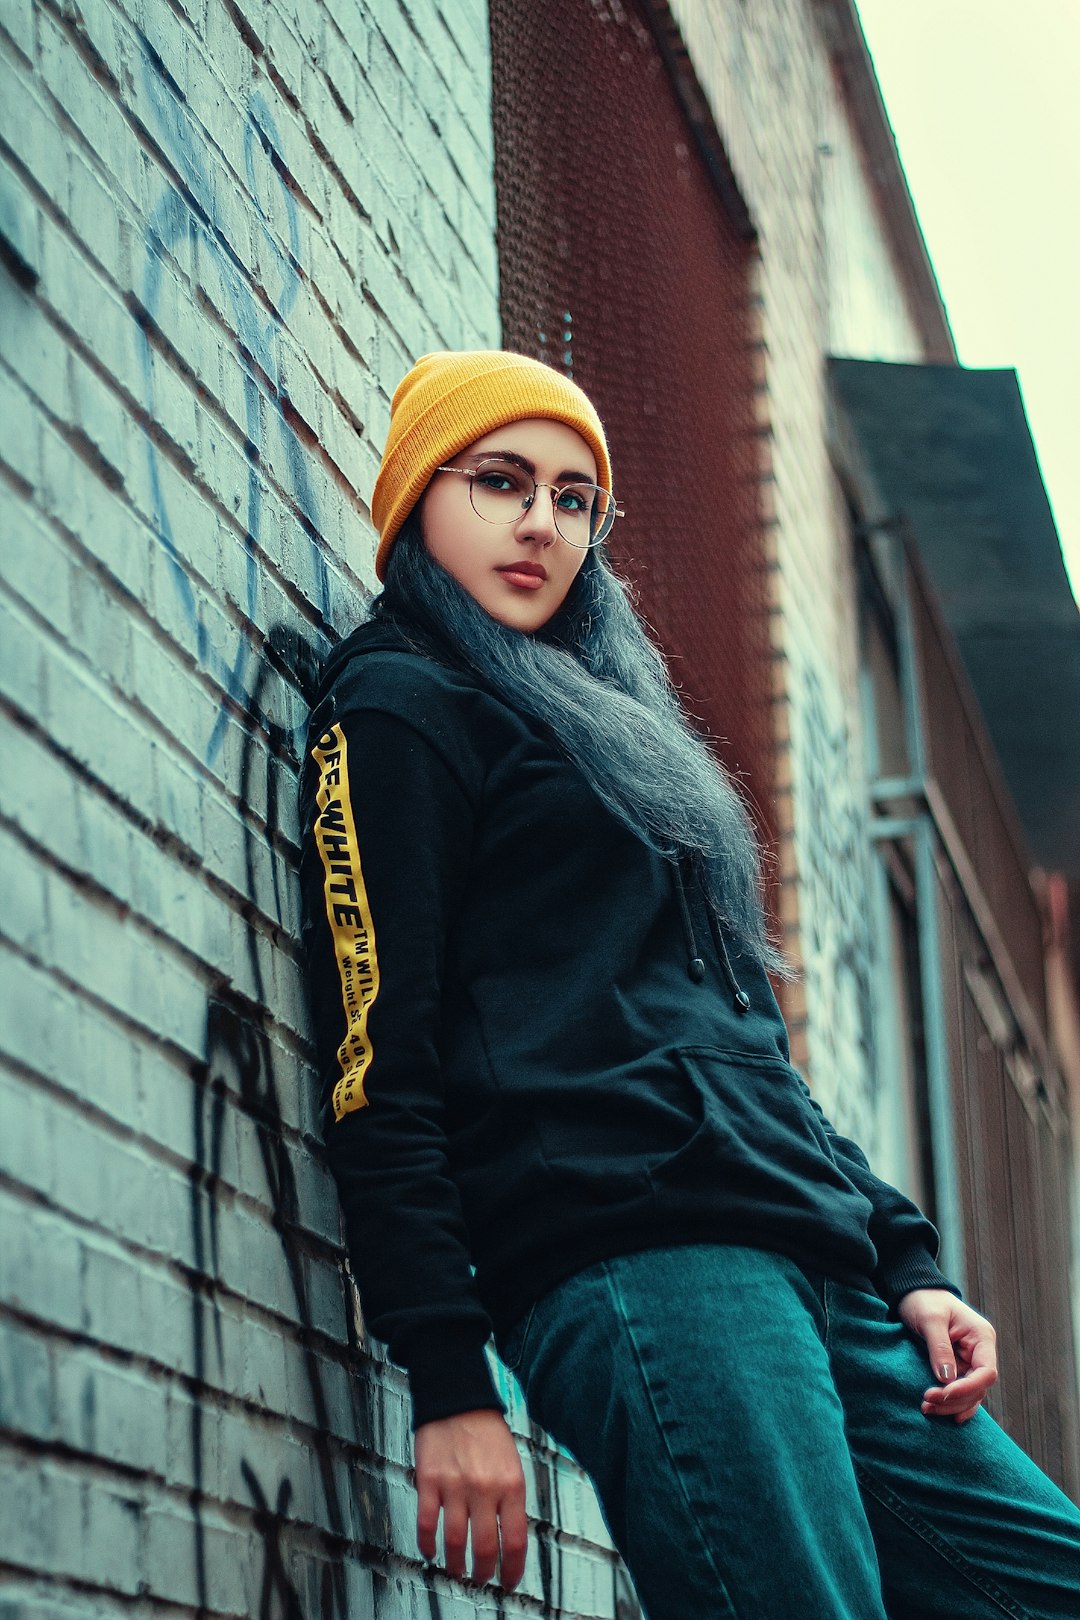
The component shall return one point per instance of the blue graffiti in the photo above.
(238, 1052)
(192, 208)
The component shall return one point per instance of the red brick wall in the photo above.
(618, 263)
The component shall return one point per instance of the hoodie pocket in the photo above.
(759, 1133)
(607, 1133)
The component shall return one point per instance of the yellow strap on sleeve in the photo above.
(348, 914)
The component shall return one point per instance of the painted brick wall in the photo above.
(227, 228)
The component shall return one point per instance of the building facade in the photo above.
(226, 231)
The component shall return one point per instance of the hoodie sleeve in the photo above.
(386, 828)
(905, 1240)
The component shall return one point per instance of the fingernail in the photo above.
(945, 1372)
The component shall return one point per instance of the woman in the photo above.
(558, 1102)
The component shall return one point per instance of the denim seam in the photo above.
(522, 1329)
(895, 1504)
(703, 1539)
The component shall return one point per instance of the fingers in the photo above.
(514, 1527)
(455, 1534)
(961, 1398)
(934, 1326)
(960, 1415)
(499, 1533)
(427, 1518)
(468, 1467)
(961, 1348)
(485, 1541)
(981, 1348)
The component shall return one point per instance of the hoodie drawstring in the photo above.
(742, 1000)
(695, 967)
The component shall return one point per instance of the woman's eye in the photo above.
(573, 500)
(504, 481)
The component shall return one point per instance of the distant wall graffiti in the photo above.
(838, 942)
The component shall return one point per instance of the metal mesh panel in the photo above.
(619, 265)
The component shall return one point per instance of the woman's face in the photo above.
(519, 572)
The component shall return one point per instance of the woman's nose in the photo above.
(537, 522)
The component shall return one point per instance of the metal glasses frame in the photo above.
(615, 510)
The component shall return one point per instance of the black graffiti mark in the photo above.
(275, 1579)
(237, 1040)
(237, 1045)
(546, 1478)
(208, 1096)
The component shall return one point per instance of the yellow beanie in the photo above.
(449, 400)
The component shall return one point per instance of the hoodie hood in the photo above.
(382, 634)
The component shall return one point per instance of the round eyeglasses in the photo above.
(500, 492)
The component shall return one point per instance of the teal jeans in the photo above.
(755, 1437)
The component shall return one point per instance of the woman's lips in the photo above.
(529, 576)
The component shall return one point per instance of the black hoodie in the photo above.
(536, 1049)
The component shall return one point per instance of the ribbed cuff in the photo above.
(449, 1373)
(914, 1268)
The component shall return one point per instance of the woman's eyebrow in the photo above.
(568, 475)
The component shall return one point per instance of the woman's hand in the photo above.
(961, 1347)
(468, 1466)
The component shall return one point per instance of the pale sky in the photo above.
(984, 101)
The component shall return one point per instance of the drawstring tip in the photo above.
(696, 969)
(742, 1001)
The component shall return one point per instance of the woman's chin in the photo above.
(521, 615)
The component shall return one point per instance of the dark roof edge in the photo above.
(859, 482)
(845, 41)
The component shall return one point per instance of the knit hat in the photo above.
(449, 400)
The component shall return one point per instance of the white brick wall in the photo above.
(245, 220)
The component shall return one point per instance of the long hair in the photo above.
(595, 682)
